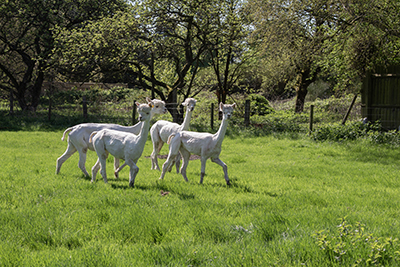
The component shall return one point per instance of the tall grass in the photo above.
(288, 196)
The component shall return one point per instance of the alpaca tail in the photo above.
(65, 132)
(91, 136)
(170, 138)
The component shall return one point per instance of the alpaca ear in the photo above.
(234, 105)
(148, 99)
(220, 106)
(137, 104)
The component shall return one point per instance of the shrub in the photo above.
(259, 105)
(353, 245)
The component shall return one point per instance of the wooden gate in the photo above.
(380, 97)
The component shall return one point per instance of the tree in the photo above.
(161, 48)
(291, 35)
(228, 46)
(368, 35)
(27, 40)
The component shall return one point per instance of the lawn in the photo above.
(292, 202)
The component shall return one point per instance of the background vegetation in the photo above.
(326, 197)
(176, 49)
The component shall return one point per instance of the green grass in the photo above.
(285, 189)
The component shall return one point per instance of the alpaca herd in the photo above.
(127, 142)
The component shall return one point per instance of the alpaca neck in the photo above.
(221, 131)
(144, 132)
(186, 121)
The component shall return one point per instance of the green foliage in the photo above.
(93, 95)
(259, 105)
(353, 245)
(356, 130)
(280, 121)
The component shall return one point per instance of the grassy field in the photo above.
(293, 202)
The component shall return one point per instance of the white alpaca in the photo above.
(78, 138)
(121, 145)
(161, 130)
(205, 145)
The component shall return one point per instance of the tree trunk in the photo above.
(172, 106)
(304, 80)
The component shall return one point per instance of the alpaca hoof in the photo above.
(228, 183)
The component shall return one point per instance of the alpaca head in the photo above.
(189, 103)
(227, 109)
(158, 106)
(144, 111)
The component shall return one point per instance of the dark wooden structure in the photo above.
(380, 97)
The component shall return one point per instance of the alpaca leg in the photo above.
(153, 156)
(118, 170)
(167, 164)
(203, 168)
(103, 160)
(224, 167)
(175, 162)
(134, 169)
(82, 161)
(173, 151)
(116, 167)
(68, 153)
(95, 169)
(178, 162)
(185, 162)
(157, 145)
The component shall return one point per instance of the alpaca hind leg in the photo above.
(224, 167)
(166, 166)
(103, 160)
(82, 161)
(156, 150)
(116, 172)
(67, 154)
(185, 162)
(178, 162)
(174, 146)
(95, 169)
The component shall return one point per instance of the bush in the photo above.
(353, 245)
(354, 130)
(259, 105)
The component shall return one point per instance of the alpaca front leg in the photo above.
(134, 169)
(203, 168)
(116, 167)
(224, 167)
